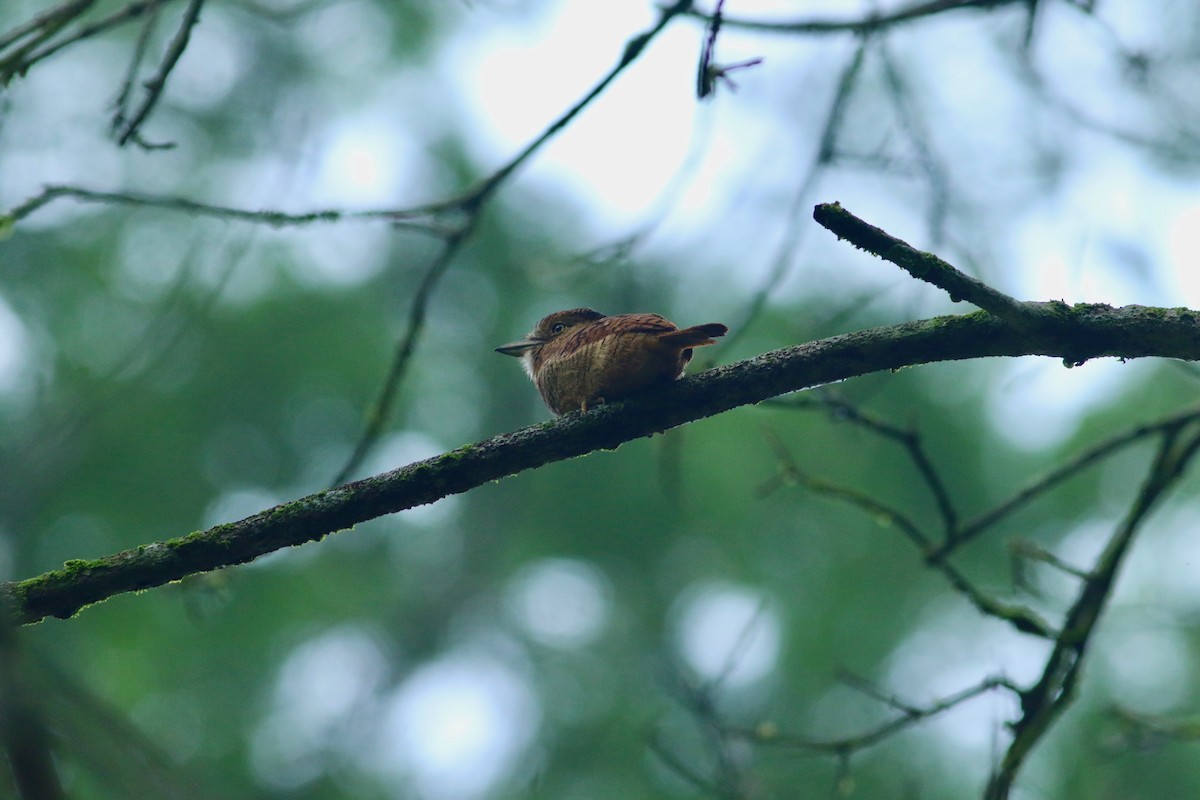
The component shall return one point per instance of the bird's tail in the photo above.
(696, 336)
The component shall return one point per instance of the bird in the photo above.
(580, 358)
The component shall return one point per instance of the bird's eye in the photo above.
(557, 327)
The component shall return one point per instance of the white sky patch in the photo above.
(350, 39)
(1163, 566)
(519, 77)
(560, 602)
(338, 255)
(362, 162)
(14, 348)
(1183, 252)
(457, 726)
(379, 154)
(215, 60)
(1117, 233)
(952, 649)
(1148, 671)
(322, 685)
(728, 633)
(1037, 402)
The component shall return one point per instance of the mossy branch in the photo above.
(931, 269)
(1081, 332)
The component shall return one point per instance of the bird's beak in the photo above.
(518, 348)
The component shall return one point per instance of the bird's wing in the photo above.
(638, 323)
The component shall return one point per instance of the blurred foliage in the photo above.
(180, 371)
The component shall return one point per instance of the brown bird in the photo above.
(579, 358)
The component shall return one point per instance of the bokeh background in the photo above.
(631, 623)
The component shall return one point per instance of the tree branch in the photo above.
(1043, 484)
(1081, 332)
(1045, 701)
(48, 24)
(909, 716)
(1020, 617)
(128, 128)
(866, 24)
(929, 268)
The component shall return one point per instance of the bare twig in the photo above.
(47, 22)
(121, 104)
(1044, 702)
(154, 87)
(1025, 549)
(377, 417)
(709, 73)
(871, 23)
(841, 410)
(1069, 469)
(419, 218)
(20, 62)
(1020, 617)
(728, 777)
(909, 716)
(900, 96)
(928, 267)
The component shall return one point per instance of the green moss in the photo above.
(457, 455)
(1059, 308)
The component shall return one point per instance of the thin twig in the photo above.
(841, 410)
(1045, 483)
(861, 684)
(928, 267)
(380, 411)
(419, 218)
(1025, 549)
(121, 104)
(48, 21)
(1023, 619)
(728, 774)
(870, 23)
(1045, 701)
(900, 96)
(27, 59)
(909, 715)
(156, 85)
